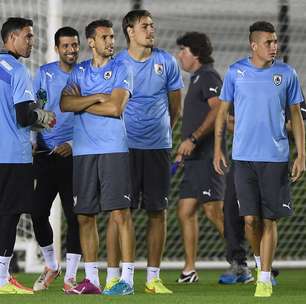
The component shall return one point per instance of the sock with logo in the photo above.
(112, 272)
(152, 273)
(49, 256)
(92, 273)
(128, 273)
(72, 263)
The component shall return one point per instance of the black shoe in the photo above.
(191, 277)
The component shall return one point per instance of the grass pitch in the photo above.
(291, 289)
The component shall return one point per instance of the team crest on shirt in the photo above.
(158, 68)
(107, 75)
(277, 79)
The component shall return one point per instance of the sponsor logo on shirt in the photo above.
(277, 79)
(240, 73)
(215, 90)
(81, 69)
(50, 75)
(107, 75)
(158, 68)
(29, 93)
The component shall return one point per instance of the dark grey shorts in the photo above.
(101, 183)
(202, 182)
(263, 189)
(150, 178)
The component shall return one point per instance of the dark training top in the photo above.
(205, 83)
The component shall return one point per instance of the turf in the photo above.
(290, 290)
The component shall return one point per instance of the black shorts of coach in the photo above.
(200, 181)
(53, 174)
(263, 189)
(150, 178)
(101, 182)
(16, 189)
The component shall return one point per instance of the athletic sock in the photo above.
(152, 273)
(257, 261)
(112, 272)
(188, 272)
(49, 256)
(265, 276)
(4, 269)
(92, 273)
(72, 263)
(128, 273)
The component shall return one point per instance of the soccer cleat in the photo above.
(13, 281)
(85, 287)
(156, 286)
(236, 274)
(121, 288)
(15, 288)
(191, 277)
(110, 284)
(69, 284)
(46, 278)
(263, 289)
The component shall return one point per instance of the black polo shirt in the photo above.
(205, 83)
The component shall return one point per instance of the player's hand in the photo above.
(63, 150)
(71, 90)
(219, 162)
(186, 147)
(45, 120)
(298, 168)
(178, 158)
(34, 148)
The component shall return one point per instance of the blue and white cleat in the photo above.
(119, 289)
(236, 274)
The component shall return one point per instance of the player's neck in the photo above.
(259, 63)
(65, 67)
(139, 53)
(98, 61)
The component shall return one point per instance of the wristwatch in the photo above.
(193, 139)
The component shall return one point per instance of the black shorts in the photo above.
(150, 178)
(101, 183)
(263, 189)
(16, 189)
(202, 182)
(53, 174)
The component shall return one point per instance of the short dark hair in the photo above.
(261, 26)
(130, 19)
(199, 44)
(90, 30)
(65, 31)
(14, 24)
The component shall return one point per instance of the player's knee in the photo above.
(252, 222)
(121, 217)
(213, 212)
(157, 216)
(185, 213)
(86, 220)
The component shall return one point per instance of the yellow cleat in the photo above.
(110, 284)
(263, 289)
(156, 286)
(10, 288)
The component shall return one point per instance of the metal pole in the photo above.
(283, 21)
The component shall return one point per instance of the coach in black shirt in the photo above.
(201, 186)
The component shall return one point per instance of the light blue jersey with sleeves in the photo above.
(147, 115)
(50, 79)
(260, 97)
(96, 134)
(15, 87)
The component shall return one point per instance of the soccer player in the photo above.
(201, 185)
(97, 92)
(261, 87)
(16, 116)
(53, 163)
(150, 113)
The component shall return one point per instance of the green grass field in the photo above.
(290, 290)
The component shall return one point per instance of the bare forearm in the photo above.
(298, 132)
(174, 106)
(72, 103)
(104, 109)
(207, 126)
(219, 127)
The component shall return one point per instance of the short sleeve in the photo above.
(210, 85)
(124, 77)
(228, 88)
(174, 77)
(22, 85)
(294, 92)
